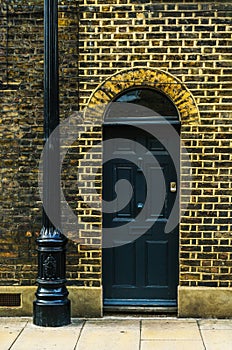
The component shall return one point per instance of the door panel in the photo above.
(150, 174)
(142, 265)
(156, 273)
(123, 171)
(124, 268)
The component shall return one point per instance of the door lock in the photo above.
(173, 186)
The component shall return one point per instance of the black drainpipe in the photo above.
(52, 307)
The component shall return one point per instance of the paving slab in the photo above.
(118, 333)
(110, 334)
(48, 338)
(170, 329)
(217, 339)
(215, 324)
(172, 345)
(10, 328)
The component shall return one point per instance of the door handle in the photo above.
(140, 206)
(173, 186)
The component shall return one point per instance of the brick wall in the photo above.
(190, 40)
(21, 128)
(21, 139)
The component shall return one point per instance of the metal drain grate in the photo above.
(10, 299)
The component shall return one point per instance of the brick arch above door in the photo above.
(146, 77)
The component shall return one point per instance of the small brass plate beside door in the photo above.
(172, 186)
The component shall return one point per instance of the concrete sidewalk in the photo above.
(118, 333)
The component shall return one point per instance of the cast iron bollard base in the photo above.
(48, 315)
(52, 307)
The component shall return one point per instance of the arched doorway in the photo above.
(140, 260)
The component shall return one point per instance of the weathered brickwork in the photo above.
(21, 128)
(21, 132)
(99, 40)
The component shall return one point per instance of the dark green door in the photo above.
(142, 268)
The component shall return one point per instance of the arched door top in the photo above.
(133, 79)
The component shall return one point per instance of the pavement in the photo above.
(118, 333)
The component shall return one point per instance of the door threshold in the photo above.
(147, 310)
(140, 306)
